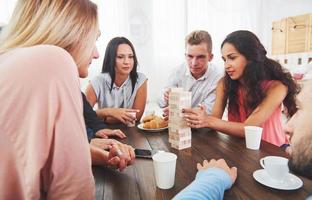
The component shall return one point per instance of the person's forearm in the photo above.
(111, 120)
(209, 184)
(103, 112)
(231, 128)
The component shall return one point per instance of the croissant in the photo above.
(148, 118)
(155, 123)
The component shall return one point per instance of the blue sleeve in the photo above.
(208, 184)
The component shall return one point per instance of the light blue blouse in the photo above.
(119, 97)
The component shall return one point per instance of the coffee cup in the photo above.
(275, 166)
(132, 123)
(164, 169)
(253, 137)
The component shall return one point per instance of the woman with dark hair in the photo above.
(254, 87)
(120, 89)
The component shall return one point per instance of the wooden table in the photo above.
(138, 182)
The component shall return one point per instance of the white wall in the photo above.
(169, 24)
(157, 28)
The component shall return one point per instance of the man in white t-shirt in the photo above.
(197, 75)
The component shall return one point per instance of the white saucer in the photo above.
(140, 126)
(291, 182)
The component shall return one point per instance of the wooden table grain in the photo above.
(138, 182)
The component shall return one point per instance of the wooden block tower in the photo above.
(180, 134)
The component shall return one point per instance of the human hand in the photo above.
(219, 164)
(166, 112)
(166, 96)
(105, 133)
(103, 143)
(195, 117)
(123, 115)
(120, 156)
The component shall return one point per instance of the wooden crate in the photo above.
(297, 34)
(310, 34)
(279, 37)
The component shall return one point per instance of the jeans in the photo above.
(90, 133)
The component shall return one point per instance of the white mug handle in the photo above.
(262, 163)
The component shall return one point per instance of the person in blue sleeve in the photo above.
(212, 179)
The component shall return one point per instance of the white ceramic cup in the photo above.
(132, 124)
(253, 137)
(164, 169)
(275, 166)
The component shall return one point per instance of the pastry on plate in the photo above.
(154, 122)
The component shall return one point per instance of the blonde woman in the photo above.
(43, 144)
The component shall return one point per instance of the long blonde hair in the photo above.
(69, 24)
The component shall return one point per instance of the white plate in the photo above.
(291, 182)
(140, 126)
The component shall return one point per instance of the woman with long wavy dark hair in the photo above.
(119, 89)
(254, 87)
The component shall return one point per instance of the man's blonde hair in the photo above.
(69, 24)
(197, 37)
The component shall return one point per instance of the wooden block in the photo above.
(181, 143)
(177, 125)
(178, 137)
(180, 147)
(178, 130)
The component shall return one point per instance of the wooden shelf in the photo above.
(297, 34)
(292, 35)
(279, 37)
